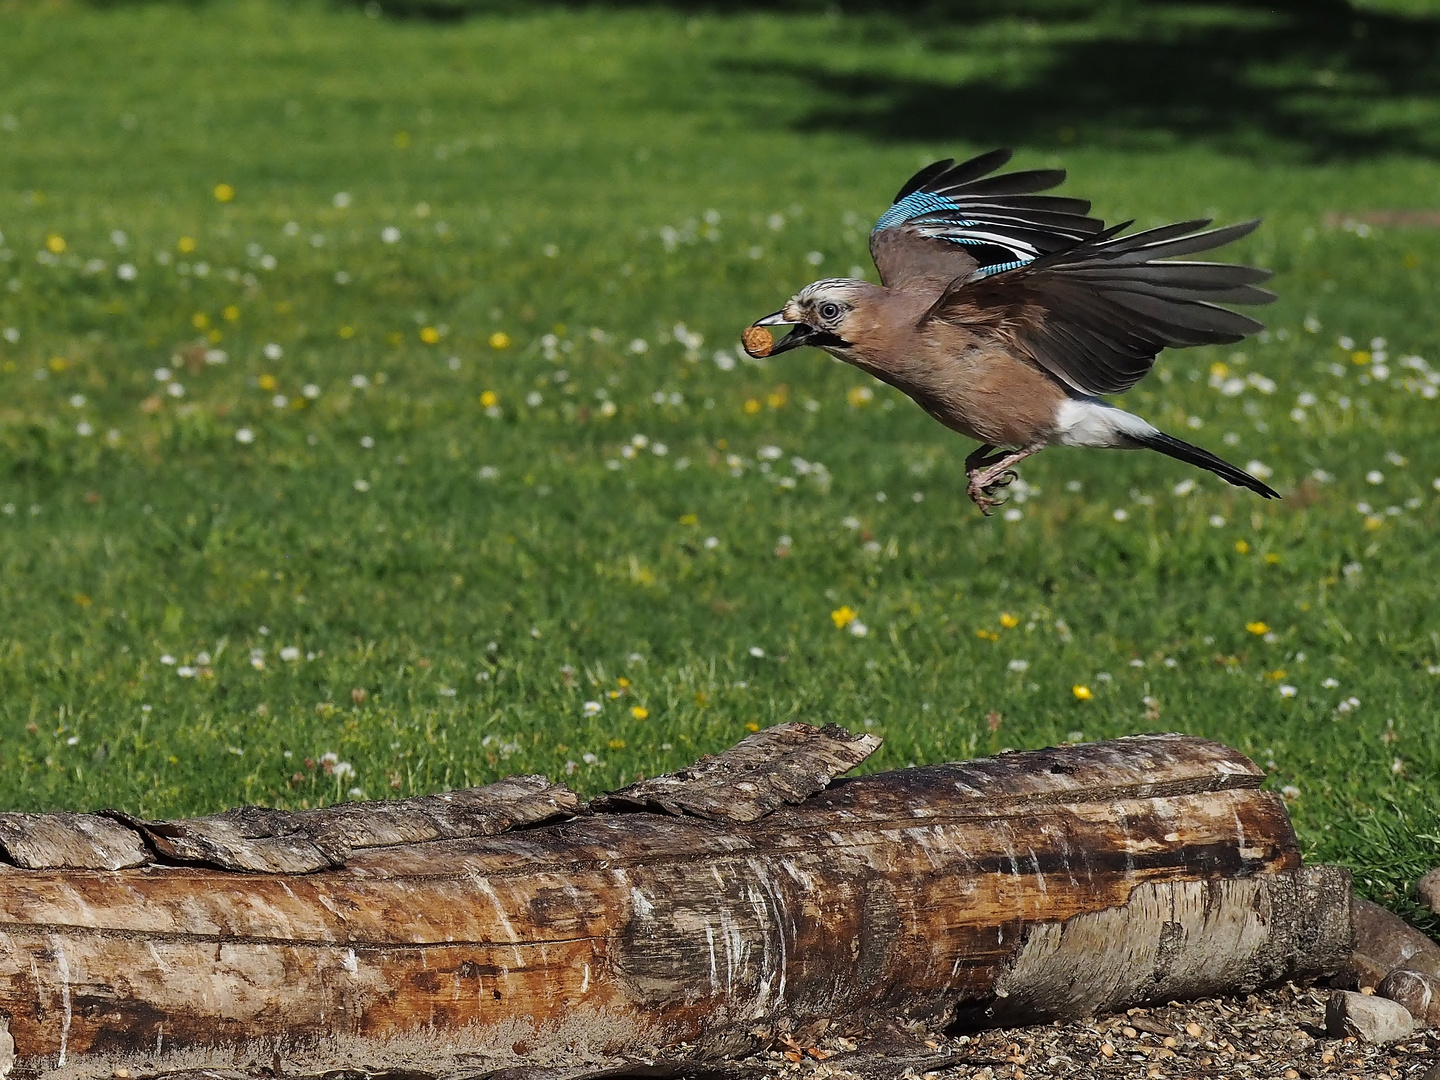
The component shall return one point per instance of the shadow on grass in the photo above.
(1304, 79)
(1315, 80)
(1308, 80)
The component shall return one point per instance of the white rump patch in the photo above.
(1091, 422)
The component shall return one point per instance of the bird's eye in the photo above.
(829, 311)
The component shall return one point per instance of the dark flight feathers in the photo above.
(1090, 306)
(1096, 315)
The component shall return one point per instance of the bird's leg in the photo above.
(980, 458)
(989, 472)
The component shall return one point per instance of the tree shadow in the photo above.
(1316, 79)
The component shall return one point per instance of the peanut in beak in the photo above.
(758, 341)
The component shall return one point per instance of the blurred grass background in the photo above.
(368, 389)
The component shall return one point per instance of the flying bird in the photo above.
(1005, 315)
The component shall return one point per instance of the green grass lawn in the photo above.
(369, 388)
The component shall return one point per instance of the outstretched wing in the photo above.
(953, 221)
(1096, 315)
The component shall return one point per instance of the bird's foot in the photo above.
(984, 484)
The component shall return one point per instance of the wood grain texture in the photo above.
(935, 892)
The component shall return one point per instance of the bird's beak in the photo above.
(779, 318)
(800, 334)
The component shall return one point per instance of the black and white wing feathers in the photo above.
(952, 221)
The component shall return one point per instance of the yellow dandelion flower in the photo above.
(1373, 522)
(1272, 558)
(1008, 621)
(224, 192)
(639, 712)
(617, 744)
(55, 244)
(622, 682)
(987, 635)
(346, 332)
(215, 337)
(1360, 358)
(185, 245)
(1082, 692)
(843, 616)
(1258, 628)
(752, 726)
(231, 313)
(267, 382)
(489, 399)
(429, 335)
(776, 399)
(1276, 675)
(200, 320)
(1219, 370)
(82, 600)
(499, 340)
(1242, 547)
(752, 406)
(859, 396)
(58, 364)
(689, 519)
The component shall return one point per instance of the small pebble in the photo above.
(1427, 890)
(1365, 1016)
(1417, 991)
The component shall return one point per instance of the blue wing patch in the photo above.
(1000, 268)
(914, 205)
(1002, 224)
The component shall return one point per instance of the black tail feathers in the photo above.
(1193, 455)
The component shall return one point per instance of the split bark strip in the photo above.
(783, 764)
(1051, 883)
(265, 841)
(78, 841)
(252, 838)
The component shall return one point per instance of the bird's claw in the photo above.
(983, 496)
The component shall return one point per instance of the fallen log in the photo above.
(682, 916)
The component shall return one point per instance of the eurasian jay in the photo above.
(1004, 315)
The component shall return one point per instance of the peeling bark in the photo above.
(784, 764)
(78, 841)
(1050, 883)
(255, 839)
